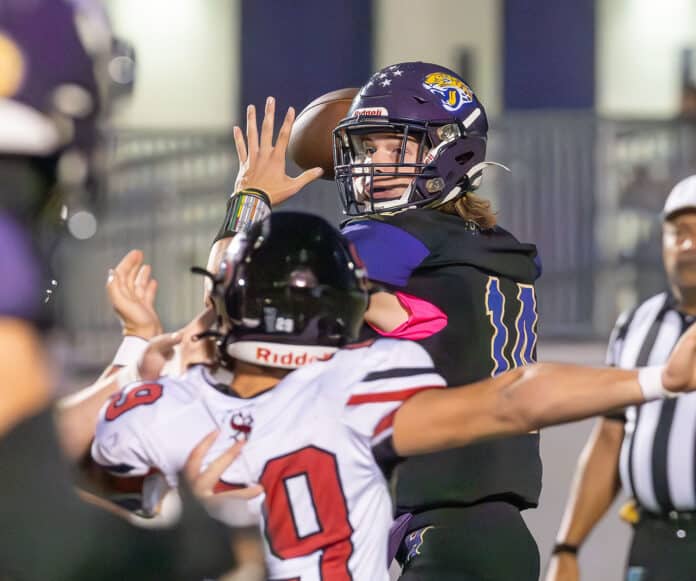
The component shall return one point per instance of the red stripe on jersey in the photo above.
(385, 423)
(401, 395)
(222, 486)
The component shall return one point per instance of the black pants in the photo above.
(659, 552)
(485, 542)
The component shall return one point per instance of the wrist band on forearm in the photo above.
(130, 350)
(650, 380)
(564, 548)
(244, 208)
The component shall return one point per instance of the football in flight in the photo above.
(311, 140)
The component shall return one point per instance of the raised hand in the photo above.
(262, 164)
(132, 292)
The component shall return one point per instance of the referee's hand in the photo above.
(563, 567)
(679, 374)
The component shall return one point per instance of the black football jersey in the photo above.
(484, 282)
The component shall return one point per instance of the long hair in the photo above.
(472, 208)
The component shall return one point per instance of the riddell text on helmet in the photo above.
(371, 112)
(289, 358)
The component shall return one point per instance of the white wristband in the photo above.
(650, 380)
(130, 350)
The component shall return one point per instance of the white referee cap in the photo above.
(682, 197)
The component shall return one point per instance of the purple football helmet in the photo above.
(436, 117)
(60, 68)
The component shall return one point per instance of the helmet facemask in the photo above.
(415, 101)
(368, 186)
(420, 174)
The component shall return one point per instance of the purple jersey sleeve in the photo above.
(390, 254)
(20, 289)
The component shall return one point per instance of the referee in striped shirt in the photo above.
(649, 450)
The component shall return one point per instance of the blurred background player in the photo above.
(647, 450)
(408, 156)
(54, 91)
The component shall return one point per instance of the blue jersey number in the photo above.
(525, 335)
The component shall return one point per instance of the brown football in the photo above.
(311, 140)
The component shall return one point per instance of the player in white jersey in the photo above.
(290, 290)
(311, 447)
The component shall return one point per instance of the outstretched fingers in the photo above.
(268, 125)
(240, 145)
(252, 133)
(131, 274)
(284, 133)
(150, 292)
(117, 281)
(127, 268)
(307, 177)
(142, 280)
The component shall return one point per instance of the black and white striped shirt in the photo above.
(658, 456)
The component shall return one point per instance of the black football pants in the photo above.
(662, 550)
(484, 542)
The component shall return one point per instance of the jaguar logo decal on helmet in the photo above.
(454, 93)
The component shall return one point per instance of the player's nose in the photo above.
(383, 155)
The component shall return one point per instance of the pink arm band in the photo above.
(424, 319)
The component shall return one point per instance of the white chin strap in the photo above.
(277, 354)
(365, 204)
(401, 200)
